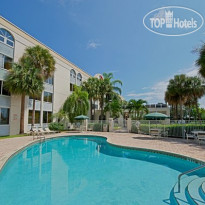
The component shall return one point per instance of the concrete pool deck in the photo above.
(188, 148)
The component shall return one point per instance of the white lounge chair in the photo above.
(49, 131)
(200, 137)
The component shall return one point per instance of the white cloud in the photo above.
(93, 44)
(155, 93)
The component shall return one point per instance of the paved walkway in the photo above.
(188, 148)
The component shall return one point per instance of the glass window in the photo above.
(47, 117)
(1, 38)
(36, 98)
(48, 97)
(71, 87)
(72, 76)
(10, 43)
(30, 117)
(49, 81)
(7, 62)
(79, 79)
(4, 116)
(3, 91)
(37, 117)
(6, 37)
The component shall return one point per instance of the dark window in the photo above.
(71, 87)
(48, 97)
(37, 117)
(47, 117)
(30, 117)
(7, 62)
(4, 116)
(3, 90)
(36, 98)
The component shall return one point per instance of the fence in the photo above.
(168, 128)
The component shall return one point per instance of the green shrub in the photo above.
(56, 126)
(97, 127)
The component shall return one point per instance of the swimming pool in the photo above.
(88, 171)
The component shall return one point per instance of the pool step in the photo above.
(193, 191)
(181, 197)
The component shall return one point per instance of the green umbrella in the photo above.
(155, 116)
(81, 117)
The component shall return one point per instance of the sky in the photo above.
(109, 36)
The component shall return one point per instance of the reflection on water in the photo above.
(80, 170)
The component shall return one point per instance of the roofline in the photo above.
(57, 55)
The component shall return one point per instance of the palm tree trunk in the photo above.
(102, 109)
(181, 111)
(197, 110)
(22, 113)
(33, 113)
(91, 109)
(94, 110)
(176, 112)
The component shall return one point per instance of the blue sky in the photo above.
(109, 36)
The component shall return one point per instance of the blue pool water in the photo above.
(88, 171)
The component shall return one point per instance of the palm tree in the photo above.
(76, 104)
(177, 87)
(91, 86)
(23, 81)
(106, 88)
(201, 61)
(115, 88)
(137, 108)
(196, 91)
(43, 61)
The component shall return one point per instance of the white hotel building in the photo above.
(13, 42)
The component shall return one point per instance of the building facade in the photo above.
(13, 42)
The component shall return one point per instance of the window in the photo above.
(6, 37)
(4, 116)
(48, 97)
(3, 90)
(72, 77)
(71, 87)
(79, 79)
(37, 117)
(47, 117)
(5, 62)
(36, 98)
(49, 81)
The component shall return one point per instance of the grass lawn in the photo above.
(12, 136)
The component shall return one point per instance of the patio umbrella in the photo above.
(81, 117)
(156, 116)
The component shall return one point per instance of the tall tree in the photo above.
(23, 81)
(201, 60)
(178, 87)
(40, 59)
(137, 108)
(76, 104)
(195, 91)
(91, 86)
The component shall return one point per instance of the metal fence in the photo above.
(168, 128)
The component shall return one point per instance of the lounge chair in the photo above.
(192, 136)
(200, 137)
(40, 129)
(37, 134)
(155, 132)
(50, 131)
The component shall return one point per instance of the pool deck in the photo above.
(188, 148)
